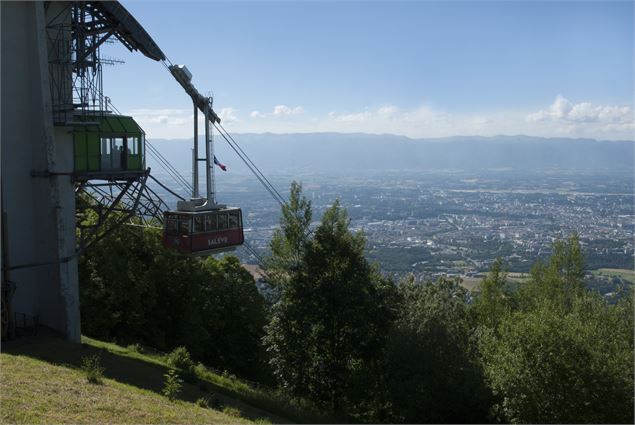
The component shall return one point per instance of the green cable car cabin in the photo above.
(109, 147)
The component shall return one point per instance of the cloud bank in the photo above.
(562, 118)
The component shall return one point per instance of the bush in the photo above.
(136, 348)
(91, 366)
(173, 385)
(179, 358)
(200, 371)
(231, 411)
(203, 402)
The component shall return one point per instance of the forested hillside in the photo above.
(337, 333)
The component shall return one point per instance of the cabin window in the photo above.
(233, 219)
(184, 226)
(172, 226)
(119, 153)
(210, 223)
(198, 224)
(222, 221)
(106, 157)
(133, 145)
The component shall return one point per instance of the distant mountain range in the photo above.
(350, 153)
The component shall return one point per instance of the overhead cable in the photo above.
(256, 172)
(254, 165)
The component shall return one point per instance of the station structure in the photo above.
(63, 152)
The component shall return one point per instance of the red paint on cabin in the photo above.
(200, 242)
(205, 231)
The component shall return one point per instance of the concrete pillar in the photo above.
(40, 210)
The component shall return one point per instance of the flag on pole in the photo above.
(217, 162)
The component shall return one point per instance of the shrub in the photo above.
(136, 348)
(231, 411)
(179, 358)
(173, 385)
(203, 402)
(200, 370)
(91, 366)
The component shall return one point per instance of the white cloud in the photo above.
(585, 119)
(562, 117)
(285, 110)
(163, 122)
(228, 115)
(278, 111)
(357, 117)
(388, 110)
(565, 111)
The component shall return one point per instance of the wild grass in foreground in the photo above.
(36, 391)
(138, 369)
(42, 381)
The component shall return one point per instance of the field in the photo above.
(472, 283)
(625, 274)
(41, 382)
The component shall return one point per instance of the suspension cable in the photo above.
(256, 172)
(166, 188)
(252, 163)
(162, 161)
(169, 168)
(253, 253)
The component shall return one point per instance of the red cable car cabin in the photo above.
(203, 232)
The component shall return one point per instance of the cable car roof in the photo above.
(202, 212)
(110, 124)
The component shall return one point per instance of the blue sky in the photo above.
(419, 68)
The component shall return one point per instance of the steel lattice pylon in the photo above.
(102, 206)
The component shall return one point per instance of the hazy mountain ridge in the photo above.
(346, 153)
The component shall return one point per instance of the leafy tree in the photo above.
(134, 290)
(434, 372)
(571, 368)
(328, 328)
(234, 315)
(557, 282)
(566, 355)
(492, 304)
(288, 243)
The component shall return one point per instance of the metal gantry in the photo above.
(103, 206)
(75, 32)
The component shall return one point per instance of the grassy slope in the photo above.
(40, 382)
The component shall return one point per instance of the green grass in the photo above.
(41, 381)
(270, 400)
(36, 391)
(471, 283)
(626, 274)
(514, 279)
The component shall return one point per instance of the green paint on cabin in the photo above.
(108, 143)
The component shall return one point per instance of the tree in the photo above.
(288, 243)
(571, 368)
(566, 355)
(233, 315)
(328, 328)
(492, 304)
(435, 376)
(134, 291)
(559, 281)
